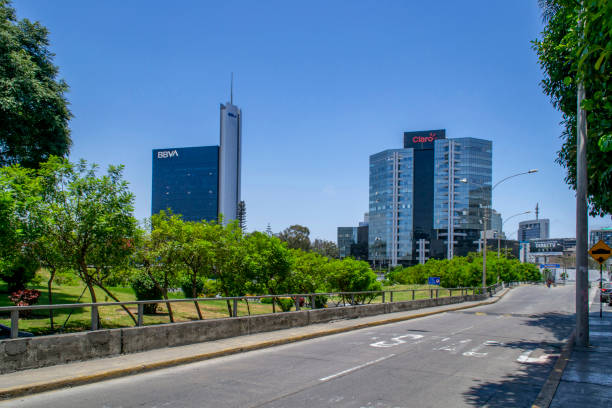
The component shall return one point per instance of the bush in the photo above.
(187, 287)
(19, 272)
(25, 297)
(285, 303)
(145, 289)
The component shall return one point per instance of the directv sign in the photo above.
(423, 139)
(547, 247)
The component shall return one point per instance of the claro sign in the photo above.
(166, 154)
(424, 139)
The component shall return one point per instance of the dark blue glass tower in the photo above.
(186, 180)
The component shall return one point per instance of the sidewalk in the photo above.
(587, 377)
(50, 378)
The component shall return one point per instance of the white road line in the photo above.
(350, 370)
(462, 330)
(524, 358)
(396, 340)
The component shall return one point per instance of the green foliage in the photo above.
(285, 303)
(145, 289)
(34, 111)
(576, 46)
(309, 273)
(296, 237)
(325, 248)
(187, 287)
(19, 271)
(349, 275)
(466, 271)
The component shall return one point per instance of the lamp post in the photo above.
(484, 232)
(502, 228)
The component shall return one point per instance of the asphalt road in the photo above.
(497, 356)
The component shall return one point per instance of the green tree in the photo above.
(92, 219)
(309, 273)
(34, 112)
(241, 215)
(18, 230)
(296, 237)
(349, 275)
(576, 46)
(195, 248)
(325, 248)
(157, 255)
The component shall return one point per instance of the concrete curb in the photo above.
(547, 393)
(34, 388)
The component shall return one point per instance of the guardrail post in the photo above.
(412, 294)
(431, 293)
(352, 299)
(94, 318)
(235, 308)
(14, 324)
(436, 293)
(390, 297)
(313, 302)
(140, 314)
(297, 303)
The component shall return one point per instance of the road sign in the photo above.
(600, 252)
(433, 280)
(550, 266)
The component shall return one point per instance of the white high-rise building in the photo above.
(230, 153)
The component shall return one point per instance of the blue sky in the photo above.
(322, 85)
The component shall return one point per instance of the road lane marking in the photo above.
(524, 358)
(350, 370)
(396, 340)
(452, 347)
(475, 351)
(462, 330)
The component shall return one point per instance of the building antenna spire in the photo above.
(232, 90)
(537, 211)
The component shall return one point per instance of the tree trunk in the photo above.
(99, 284)
(50, 290)
(229, 308)
(194, 295)
(248, 307)
(168, 304)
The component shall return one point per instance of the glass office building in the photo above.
(347, 236)
(391, 197)
(186, 180)
(534, 229)
(462, 192)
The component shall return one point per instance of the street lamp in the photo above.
(502, 229)
(484, 231)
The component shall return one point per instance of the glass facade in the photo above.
(391, 197)
(534, 229)
(462, 192)
(347, 236)
(185, 180)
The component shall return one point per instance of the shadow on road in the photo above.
(521, 388)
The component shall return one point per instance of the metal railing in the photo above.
(353, 298)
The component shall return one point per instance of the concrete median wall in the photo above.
(35, 352)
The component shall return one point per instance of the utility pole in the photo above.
(582, 270)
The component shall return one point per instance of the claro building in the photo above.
(427, 199)
(200, 183)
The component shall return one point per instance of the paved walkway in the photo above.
(587, 379)
(48, 378)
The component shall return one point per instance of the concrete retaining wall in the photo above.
(35, 352)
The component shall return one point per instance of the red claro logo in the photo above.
(424, 139)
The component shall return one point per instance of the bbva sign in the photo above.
(164, 154)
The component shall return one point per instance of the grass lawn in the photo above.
(78, 319)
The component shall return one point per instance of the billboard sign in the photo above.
(546, 247)
(423, 139)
